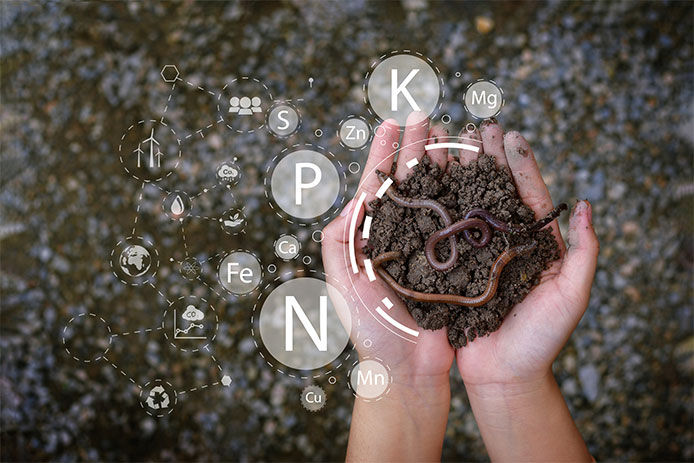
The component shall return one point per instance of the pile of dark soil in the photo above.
(480, 184)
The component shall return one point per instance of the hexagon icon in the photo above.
(226, 380)
(169, 73)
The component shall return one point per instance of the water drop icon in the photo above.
(177, 206)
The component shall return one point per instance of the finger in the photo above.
(379, 158)
(493, 140)
(413, 140)
(438, 155)
(528, 180)
(336, 239)
(578, 268)
(473, 140)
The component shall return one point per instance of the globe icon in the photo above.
(135, 260)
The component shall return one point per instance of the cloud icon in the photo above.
(227, 172)
(192, 314)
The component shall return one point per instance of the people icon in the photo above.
(244, 106)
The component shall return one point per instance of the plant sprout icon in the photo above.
(234, 220)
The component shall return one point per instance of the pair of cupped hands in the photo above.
(533, 333)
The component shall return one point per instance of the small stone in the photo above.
(484, 24)
(590, 380)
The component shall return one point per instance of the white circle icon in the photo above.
(305, 184)
(305, 323)
(354, 133)
(483, 99)
(369, 379)
(402, 84)
(239, 272)
(283, 120)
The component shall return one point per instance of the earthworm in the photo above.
(505, 227)
(488, 293)
(425, 204)
(449, 232)
(437, 207)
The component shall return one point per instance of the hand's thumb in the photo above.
(336, 238)
(578, 269)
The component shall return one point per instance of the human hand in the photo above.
(431, 358)
(411, 419)
(533, 333)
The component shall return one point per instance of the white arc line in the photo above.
(369, 270)
(463, 146)
(387, 303)
(382, 190)
(352, 230)
(396, 323)
(367, 227)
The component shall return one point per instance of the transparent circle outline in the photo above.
(190, 258)
(437, 71)
(243, 226)
(255, 333)
(503, 98)
(185, 214)
(327, 215)
(231, 82)
(99, 356)
(306, 260)
(470, 127)
(318, 133)
(274, 105)
(197, 349)
(274, 247)
(367, 343)
(390, 378)
(260, 263)
(320, 233)
(356, 170)
(233, 182)
(146, 279)
(446, 118)
(271, 268)
(120, 149)
(368, 139)
(158, 381)
(332, 380)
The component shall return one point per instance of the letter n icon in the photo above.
(292, 305)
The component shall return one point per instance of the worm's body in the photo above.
(488, 293)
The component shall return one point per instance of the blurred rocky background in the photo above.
(603, 91)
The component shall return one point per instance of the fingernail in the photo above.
(487, 122)
(348, 208)
(583, 207)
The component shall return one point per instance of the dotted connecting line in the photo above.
(122, 372)
(168, 99)
(146, 330)
(199, 278)
(139, 203)
(198, 388)
(161, 294)
(204, 190)
(185, 243)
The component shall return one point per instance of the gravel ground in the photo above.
(602, 90)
